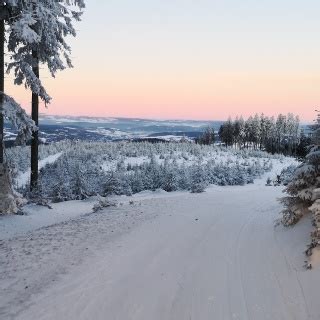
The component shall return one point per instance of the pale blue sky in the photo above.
(165, 58)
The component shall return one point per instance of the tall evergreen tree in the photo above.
(11, 110)
(2, 41)
(208, 137)
(304, 190)
(256, 130)
(50, 22)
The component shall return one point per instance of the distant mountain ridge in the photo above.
(55, 128)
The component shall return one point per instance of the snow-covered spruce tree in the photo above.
(9, 199)
(207, 137)
(136, 183)
(10, 110)
(38, 37)
(7, 203)
(304, 191)
(169, 179)
(198, 181)
(2, 43)
(113, 185)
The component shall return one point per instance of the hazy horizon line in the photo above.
(159, 119)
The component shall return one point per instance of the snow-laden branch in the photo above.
(36, 35)
(19, 119)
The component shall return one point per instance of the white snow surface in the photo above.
(215, 255)
(36, 217)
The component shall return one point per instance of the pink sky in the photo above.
(189, 60)
(207, 99)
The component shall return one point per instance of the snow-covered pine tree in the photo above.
(12, 111)
(2, 42)
(207, 137)
(198, 181)
(19, 119)
(183, 177)
(304, 190)
(136, 183)
(113, 185)
(38, 37)
(303, 145)
(263, 131)
(292, 133)
(79, 184)
(226, 132)
(152, 177)
(169, 179)
(7, 203)
(270, 138)
(256, 131)
(281, 125)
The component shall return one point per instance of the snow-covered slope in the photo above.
(215, 255)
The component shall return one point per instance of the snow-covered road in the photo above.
(215, 255)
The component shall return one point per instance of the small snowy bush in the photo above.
(269, 182)
(102, 203)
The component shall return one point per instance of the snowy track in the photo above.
(215, 255)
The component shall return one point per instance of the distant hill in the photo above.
(56, 128)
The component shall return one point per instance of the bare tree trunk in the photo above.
(1, 86)
(35, 134)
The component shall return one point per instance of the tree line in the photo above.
(274, 135)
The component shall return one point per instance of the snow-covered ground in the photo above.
(215, 255)
(36, 217)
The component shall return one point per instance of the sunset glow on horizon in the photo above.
(201, 60)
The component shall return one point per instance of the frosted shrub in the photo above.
(113, 185)
(102, 203)
(269, 182)
(95, 168)
(198, 179)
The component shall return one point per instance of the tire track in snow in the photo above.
(238, 261)
(294, 269)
